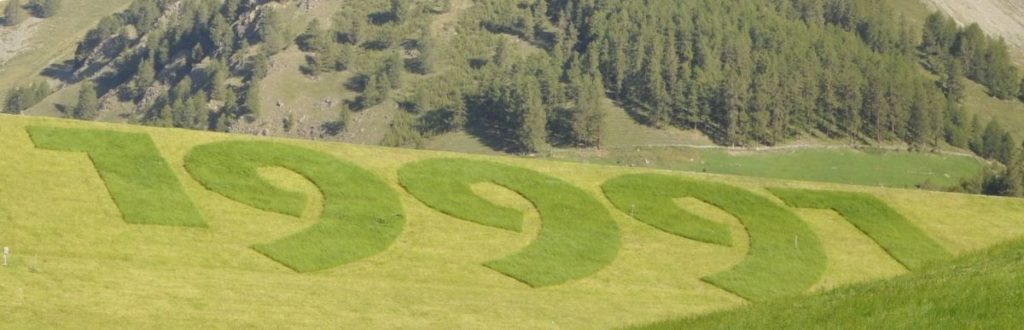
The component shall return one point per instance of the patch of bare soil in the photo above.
(14, 40)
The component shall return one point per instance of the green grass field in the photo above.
(577, 238)
(777, 236)
(839, 165)
(77, 263)
(361, 215)
(978, 291)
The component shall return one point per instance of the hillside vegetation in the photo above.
(423, 260)
(554, 76)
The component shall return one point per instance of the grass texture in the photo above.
(785, 257)
(979, 291)
(901, 239)
(361, 215)
(77, 264)
(898, 169)
(140, 182)
(652, 201)
(577, 238)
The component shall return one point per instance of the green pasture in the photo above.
(361, 214)
(577, 238)
(978, 291)
(136, 175)
(896, 169)
(777, 236)
(76, 262)
(901, 239)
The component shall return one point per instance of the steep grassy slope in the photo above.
(48, 41)
(981, 291)
(76, 262)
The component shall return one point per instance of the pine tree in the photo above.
(393, 66)
(375, 91)
(658, 102)
(427, 57)
(348, 25)
(939, 34)
(953, 80)
(920, 125)
(588, 124)
(145, 76)
(199, 113)
(13, 13)
(402, 133)
(221, 34)
(216, 86)
(251, 103)
(88, 104)
(14, 102)
(182, 91)
(272, 31)
(519, 114)
(314, 39)
(532, 134)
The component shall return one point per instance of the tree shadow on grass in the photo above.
(486, 126)
(62, 71)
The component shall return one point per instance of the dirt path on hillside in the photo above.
(1003, 18)
(15, 40)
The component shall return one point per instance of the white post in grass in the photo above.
(7, 252)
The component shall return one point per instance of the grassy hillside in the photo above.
(981, 291)
(286, 93)
(78, 262)
(49, 41)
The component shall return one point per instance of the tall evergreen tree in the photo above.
(145, 76)
(953, 83)
(251, 103)
(216, 85)
(88, 106)
(272, 31)
(426, 46)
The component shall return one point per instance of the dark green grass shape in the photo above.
(578, 237)
(894, 233)
(983, 290)
(361, 217)
(652, 201)
(785, 256)
(139, 180)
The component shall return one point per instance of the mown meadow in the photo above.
(300, 233)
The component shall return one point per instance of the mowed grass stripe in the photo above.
(785, 257)
(652, 201)
(979, 291)
(578, 237)
(894, 233)
(361, 216)
(139, 180)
